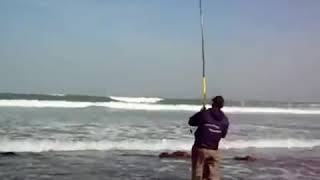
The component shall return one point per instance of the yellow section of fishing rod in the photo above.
(204, 91)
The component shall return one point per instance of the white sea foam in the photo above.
(136, 99)
(7, 145)
(44, 104)
(152, 107)
(60, 95)
(271, 143)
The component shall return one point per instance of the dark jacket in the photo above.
(212, 126)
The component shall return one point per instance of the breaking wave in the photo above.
(59, 95)
(153, 107)
(7, 145)
(136, 99)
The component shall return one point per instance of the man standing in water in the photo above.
(212, 126)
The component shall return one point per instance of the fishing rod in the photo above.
(204, 80)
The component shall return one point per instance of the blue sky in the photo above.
(264, 49)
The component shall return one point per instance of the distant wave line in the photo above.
(152, 107)
(136, 99)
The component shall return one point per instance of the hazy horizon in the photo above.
(255, 50)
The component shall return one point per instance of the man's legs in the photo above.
(212, 160)
(197, 163)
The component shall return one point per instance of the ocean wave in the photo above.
(44, 104)
(59, 95)
(148, 107)
(136, 99)
(152, 107)
(314, 105)
(7, 145)
(271, 143)
(271, 110)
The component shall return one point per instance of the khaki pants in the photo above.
(205, 164)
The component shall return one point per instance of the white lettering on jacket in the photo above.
(214, 131)
(212, 125)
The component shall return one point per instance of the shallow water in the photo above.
(118, 165)
(102, 143)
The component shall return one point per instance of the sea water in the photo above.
(116, 138)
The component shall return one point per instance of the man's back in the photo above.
(212, 126)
